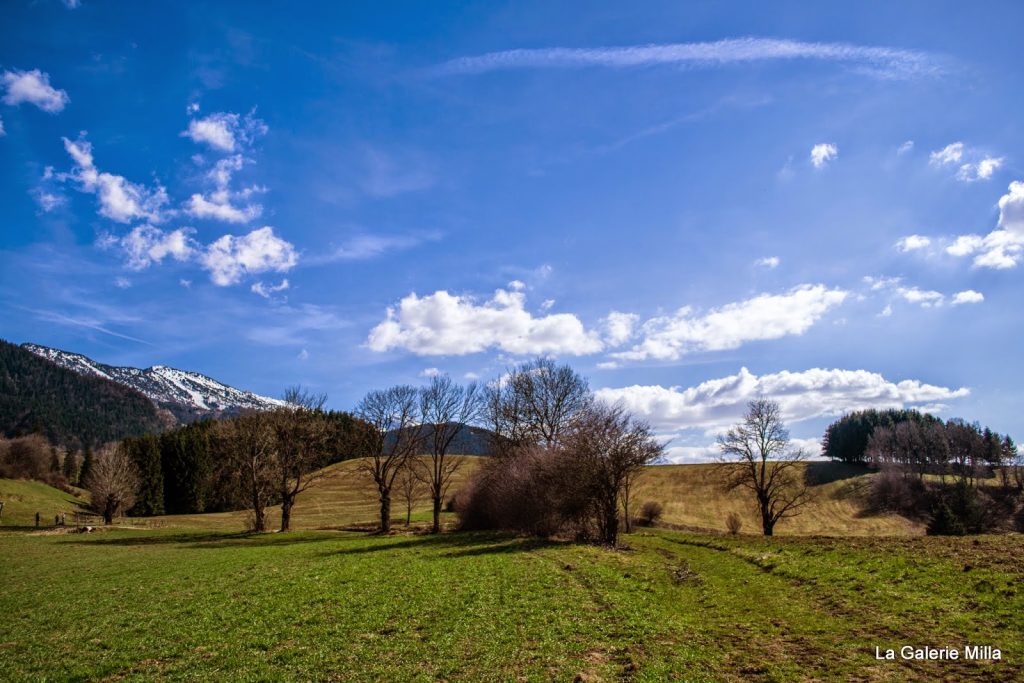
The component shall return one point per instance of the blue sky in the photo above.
(693, 203)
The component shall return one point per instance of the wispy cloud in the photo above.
(364, 247)
(879, 61)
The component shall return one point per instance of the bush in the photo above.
(892, 490)
(650, 513)
(733, 523)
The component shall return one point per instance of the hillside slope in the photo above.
(23, 499)
(38, 396)
(691, 494)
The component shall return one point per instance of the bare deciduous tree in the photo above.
(411, 483)
(768, 463)
(534, 404)
(112, 482)
(611, 446)
(250, 444)
(302, 437)
(392, 437)
(446, 409)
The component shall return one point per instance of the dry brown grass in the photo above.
(692, 496)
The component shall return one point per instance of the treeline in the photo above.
(956, 477)
(70, 410)
(200, 467)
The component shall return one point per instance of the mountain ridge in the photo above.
(187, 395)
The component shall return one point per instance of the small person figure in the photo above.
(37, 520)
(56, 520)
(63, 521)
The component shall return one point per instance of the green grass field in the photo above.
(172, 605)
(193, 598)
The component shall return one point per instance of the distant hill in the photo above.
(469, 441)
(187, 395)
(71, 409)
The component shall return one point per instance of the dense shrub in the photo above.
(650, 513)
(733, 523)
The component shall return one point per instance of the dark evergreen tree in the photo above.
(83, 473)
(145, 453)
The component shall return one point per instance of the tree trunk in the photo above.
(385, 511)
(108, 512)
(767, 525)
(611, 528)
(436, 528)
(408, 514)
(286, 513)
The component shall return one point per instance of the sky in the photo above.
(693, 204)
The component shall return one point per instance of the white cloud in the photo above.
(547, 304)
(607, 365)
(716, 404)
(913, 243)
(619, 327)
(260, 251)
(877, 61)
(925, 298)
(822, 153)
(768, 262)
(471, 376)
(1003, 247)
(981, 170)
(48, 201)
(766, 316)
(33, 87)
(517, 285)
(950, 154)
(2, 131)
(217, 204)
(430, 372)
(886, 312)
(973, 165)
(268, 291)
(968, 296)
(146, 245)
(187, 284)
(122, 282)
(192, 108)
(905, 147)
(72, 4)
(224, 131)
(447, 324)
(120, 200)
(877, 283)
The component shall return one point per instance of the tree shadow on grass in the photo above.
(820, 472)
(453, 544)
(240, 539)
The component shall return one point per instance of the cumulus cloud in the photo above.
(450, 324)
(950, 154)
(33, 87)
(972, 164)
(717, 404)
(218, 204)
(147, 245)
(913, 243)
(766, 316)
(230, 257)
(619, 327)
(877, 61)
(968, 296)
(268, 291)
(926, 298)
(822, 153)
(225, 131)
(982, 170)
(1004, 246)
(120, 199)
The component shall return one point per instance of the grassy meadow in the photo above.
(195, 598)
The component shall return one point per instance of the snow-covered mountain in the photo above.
(188, 395)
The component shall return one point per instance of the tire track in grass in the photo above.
(859, 621)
